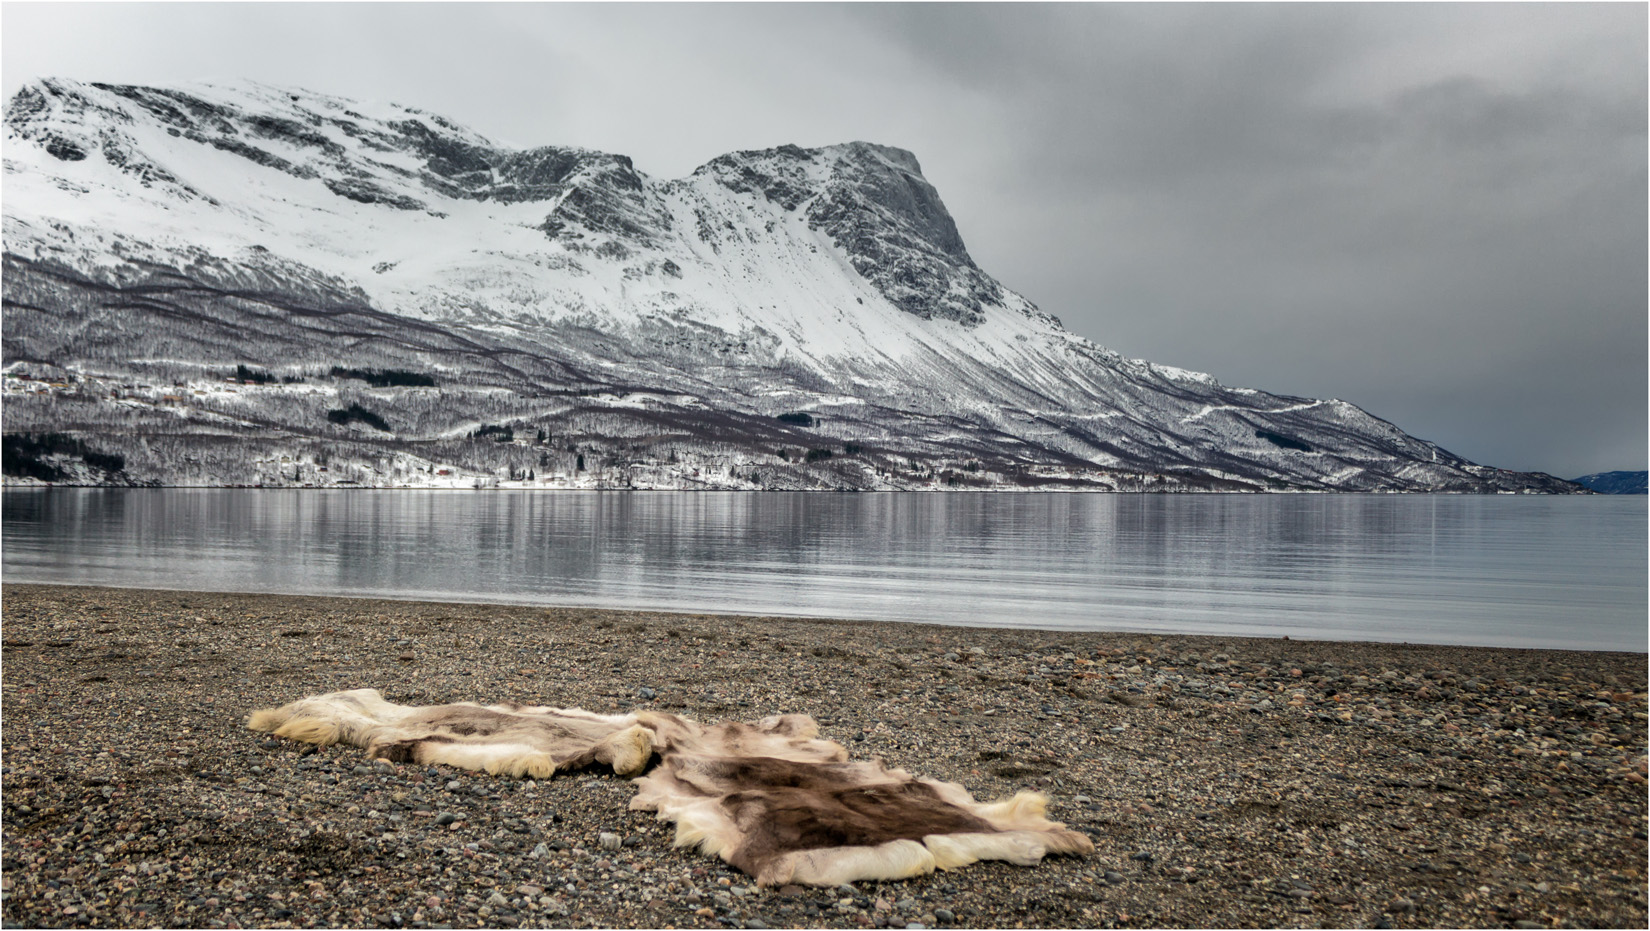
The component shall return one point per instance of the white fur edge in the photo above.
(499, 759)
(703, 824)
(1023, 812)
(833, 866)
(1021, 848)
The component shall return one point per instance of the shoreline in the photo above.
(12, 482)
(472, 599)
(1224, 780)
(1049, 489)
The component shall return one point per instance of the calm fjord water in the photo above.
(1566, 572)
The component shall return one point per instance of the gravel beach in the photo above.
(1225, 781)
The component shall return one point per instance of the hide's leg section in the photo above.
(703, 824)
(501, 759)
(662, 792)
(1021, 848)
(789, 725)
(700, 819)
(1023, 812)
(1063, 841)
(319, 731)
(627, 751)
(833, 866)
(297, 721)
(267, 719)
(338, 717)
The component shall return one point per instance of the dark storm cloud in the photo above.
(1363, 202)
(1434, 211)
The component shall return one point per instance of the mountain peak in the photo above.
(867, 155)
(773, 310)
(891, 156)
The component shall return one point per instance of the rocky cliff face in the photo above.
(255, 285)
(876, 207)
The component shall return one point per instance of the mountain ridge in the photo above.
(1621, 482)
(160, 239)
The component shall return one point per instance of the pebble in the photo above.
(609, 841)
(1173, 767)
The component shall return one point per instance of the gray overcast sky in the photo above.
(1437, 212)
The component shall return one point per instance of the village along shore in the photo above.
(1225, 781)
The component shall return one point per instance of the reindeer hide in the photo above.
(769, 798)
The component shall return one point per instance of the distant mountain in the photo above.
(1615, 483)
(242, 284)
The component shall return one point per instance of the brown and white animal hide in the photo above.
(769, 798)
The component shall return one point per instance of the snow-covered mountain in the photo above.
(243, 284)
(1616, 483)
